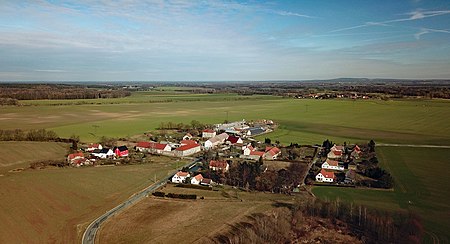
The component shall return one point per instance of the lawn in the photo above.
(56, 205)
(157, 220)
(420, 186)
(21, 154)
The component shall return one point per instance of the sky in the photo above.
(216, 40)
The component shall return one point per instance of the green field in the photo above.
(421, 186)
(55, 205)
(21, 154)
(301, 121)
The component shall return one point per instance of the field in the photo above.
(21, 154)
(54, 205)
(421, 186)
(301, 121)
(156, 220)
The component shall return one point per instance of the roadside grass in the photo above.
(56, 205)
(162, 220)
(21, 153)
(420, 187)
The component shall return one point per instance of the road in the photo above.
(91, 230)
(410, 145)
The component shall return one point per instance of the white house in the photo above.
(332, 164)
(325, 176)
(180, 177)
(188, 136)
(187, 150)
(217, 140)
(248, 149)
(196, 180)
(104, 153)
(208, 133)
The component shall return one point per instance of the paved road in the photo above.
(410, 145)
(91, 231)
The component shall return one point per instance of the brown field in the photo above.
(157, 220)
(22, 153)
(55, 205)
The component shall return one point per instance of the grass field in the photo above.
(157, 220)
(301, 121)
(55, 205)
(421, 186)
(21, 154)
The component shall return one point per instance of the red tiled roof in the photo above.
(93, 145)
(233, 139)
(218, 164)
(272, 150)
(208, 130)
(182, 174)
(74, 155)
(337, 153)
(153, 145)
(327, 174)
(187, 147)
(357, 148)
(257, 153)
(332, 162)
(187, 142)
(206, 181)
(199, 177)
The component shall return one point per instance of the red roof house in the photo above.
(219, 165)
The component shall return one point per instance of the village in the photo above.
(227, 153)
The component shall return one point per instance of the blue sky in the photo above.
(177, 40)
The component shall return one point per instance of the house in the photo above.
(216, 140)
(350, 176)
(180, 177)
(121, 151)
(206, 182)
(188, 136)
(219, 165)
(234, 140)
(153, 147)
(325, 176)
(272, 153)
(187, 142)
(74, 156)
(247, 149)
(255, 155)
(81, 161)
(253, 131)
(187, 150)
(332, 164)
(356, 152)
(196, 180)
(93, 146)
(334, 154)
(103, 153)
(208, 133)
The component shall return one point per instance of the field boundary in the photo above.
(412, 145)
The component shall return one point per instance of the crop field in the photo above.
(21, 154)
(420, 186)
(304, 121)
(157, 220)
(54, 205)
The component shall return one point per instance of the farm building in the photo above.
(93, 146)
(152, 147)
(255, 131)
(208, 133)
(325, 176)
(334, 154)
(180, 177)
(188, 136)
(219, 165)
(121, 151)
(74, 156)
(206, 182)
(187, 150)
(332, 164)
(234, 140)
(217, 140)
(103, 153)
(272, 153)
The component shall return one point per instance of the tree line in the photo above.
(368, 225)
(31, 135)
(11, 92)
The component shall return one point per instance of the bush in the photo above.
(158, 194)
(181, 196)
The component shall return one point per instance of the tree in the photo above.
(267, 141)
(371, 146)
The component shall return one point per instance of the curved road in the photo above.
(91, 230)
